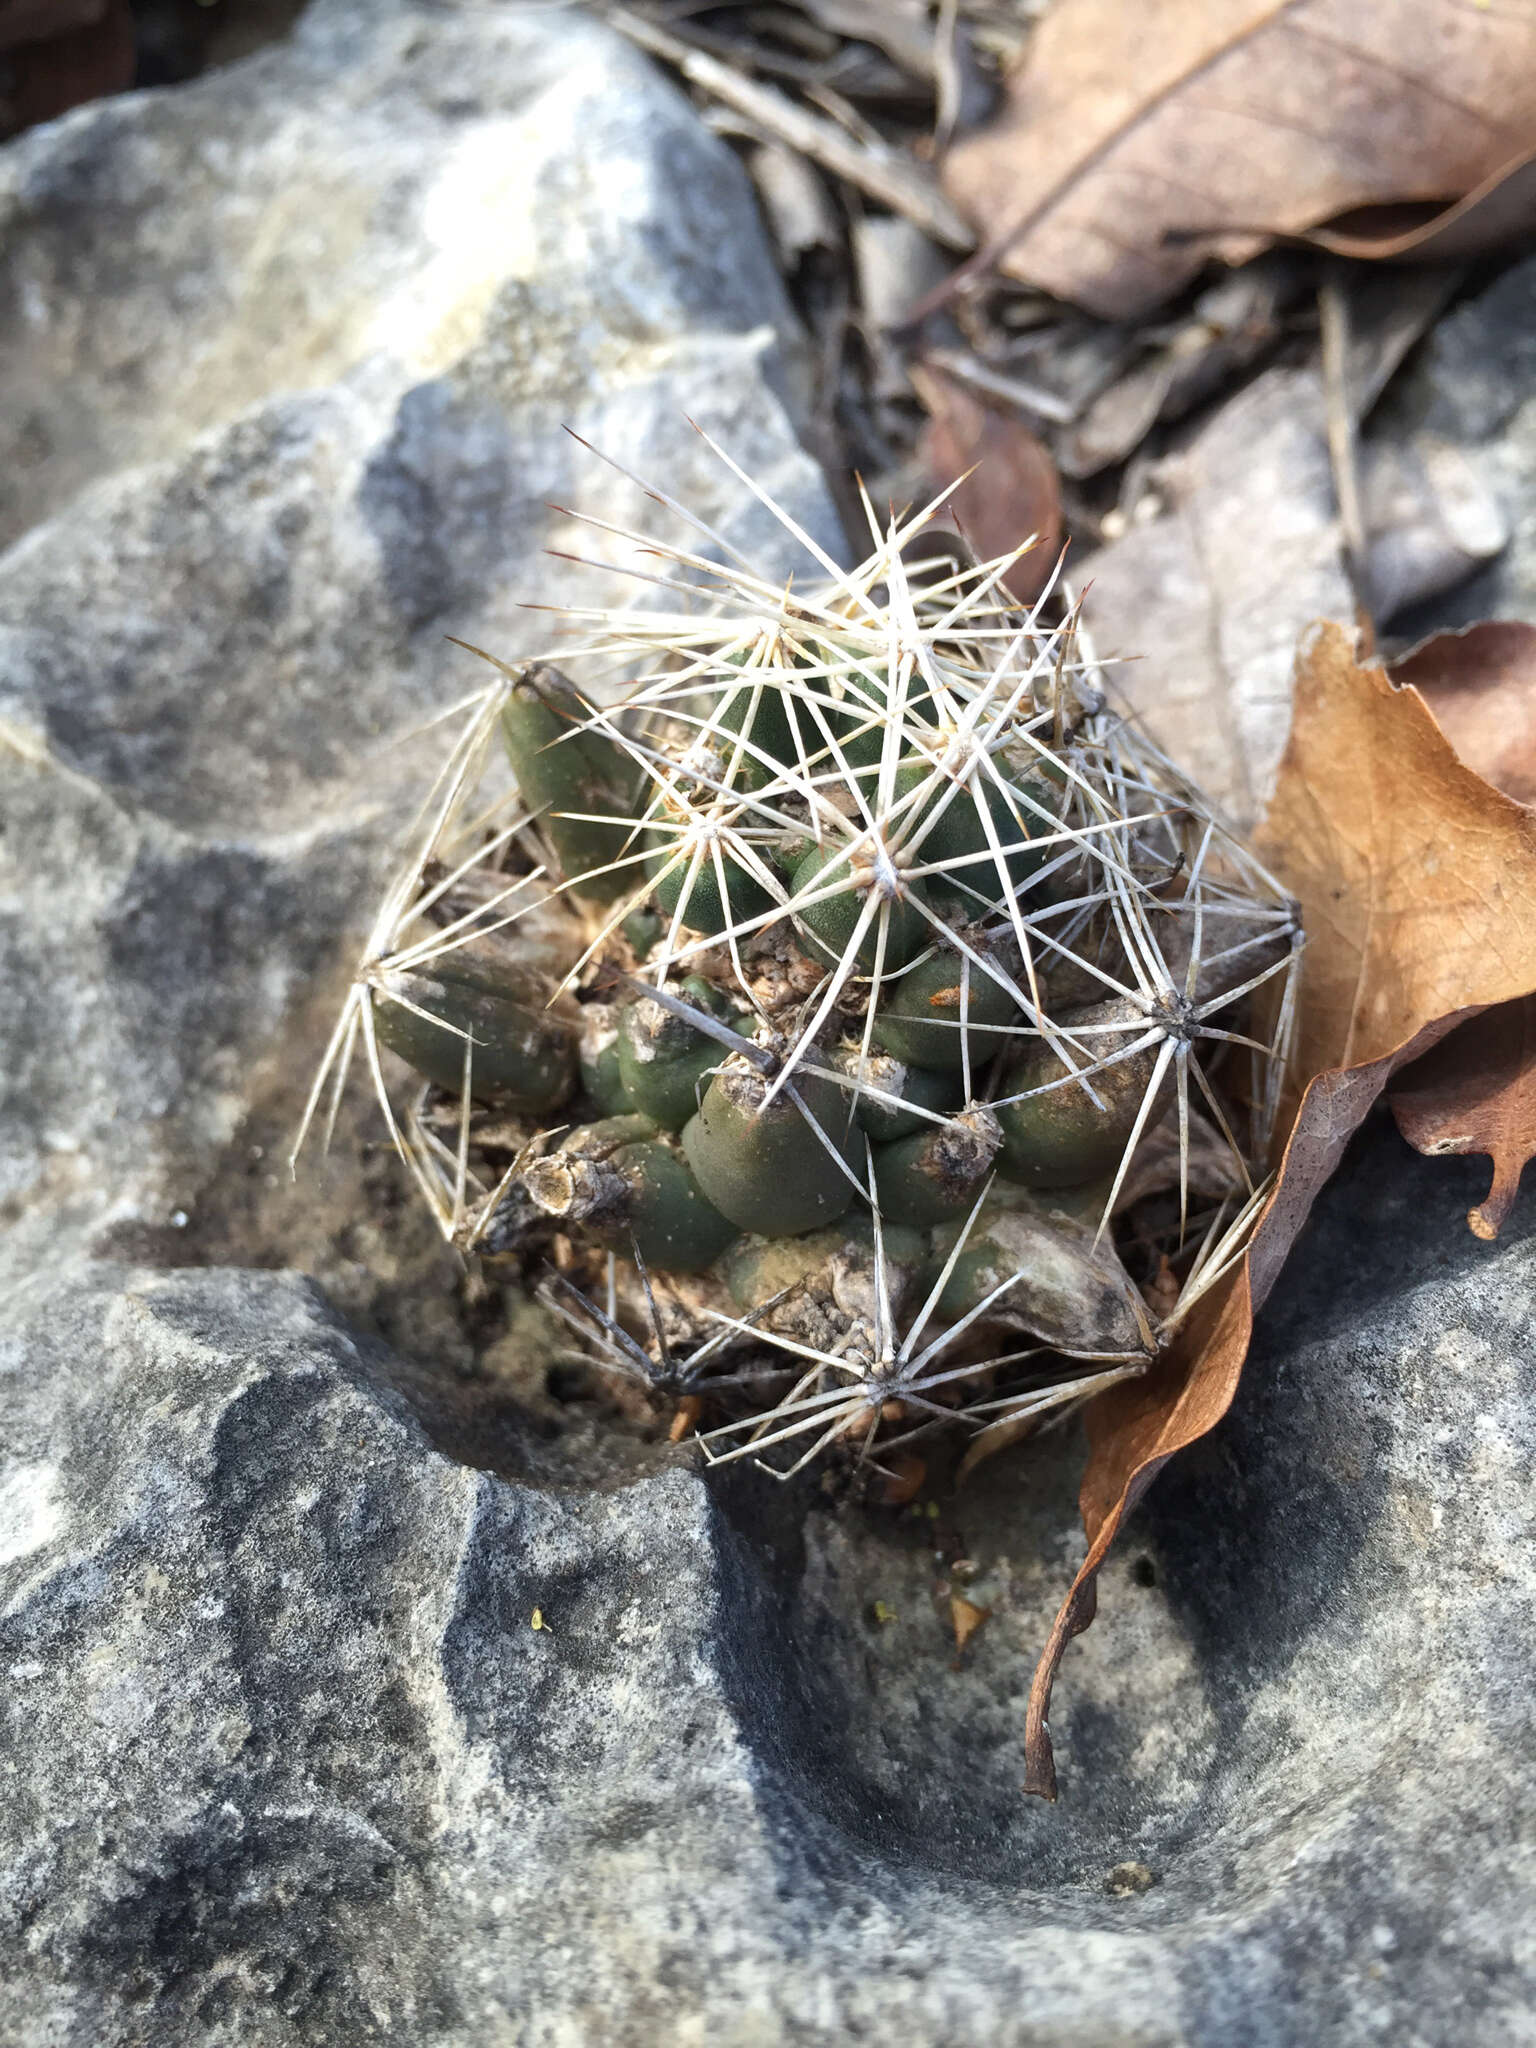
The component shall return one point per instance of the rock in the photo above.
(1200, 606)
(1234, 549)
(330, 1718)
(289, 355)
(1470, 391)
(1432, 522)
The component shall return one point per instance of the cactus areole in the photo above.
(851, 1023)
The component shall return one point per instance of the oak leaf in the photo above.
(1139, 142)
(1416, 881)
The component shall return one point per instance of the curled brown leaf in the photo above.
(1476, 1092)
(1481, 685)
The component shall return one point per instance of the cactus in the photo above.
(840, 1001)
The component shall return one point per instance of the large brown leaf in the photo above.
(1417, 886)
(1476, 1092)
(60, 53)
(1140, 141)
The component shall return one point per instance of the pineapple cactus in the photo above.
(851, 1024)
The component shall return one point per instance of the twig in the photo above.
(970, 369)
(894, 180)
(1333, 318)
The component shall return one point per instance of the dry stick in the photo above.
(884, 175)
(969, 369)
(1333, 317)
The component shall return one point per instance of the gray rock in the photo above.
(288, 356)
(288, 1760)
(1201, 606)
(1471, 391)
(1234, 548)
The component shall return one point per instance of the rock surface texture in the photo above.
(286, 362)
(1469, 398)
(319, 1730)
(362, 1680)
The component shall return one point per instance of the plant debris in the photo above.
(1139, 143)
(1476, 1092)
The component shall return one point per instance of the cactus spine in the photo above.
(860, 922)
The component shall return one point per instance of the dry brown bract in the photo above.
(1010, 490)
(1417, 883)
(1139, 142)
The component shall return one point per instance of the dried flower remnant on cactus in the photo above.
(856, 1023)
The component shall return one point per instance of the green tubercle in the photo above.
(562, 768)
(1062, 1138)
(623, 1183)
(523, 1053)
(599, 1058)
(767, 1169)
(886, 1076)
(922, 1011)
(663, 1061)
(936, 1174)
(691, 891)
(828, 926)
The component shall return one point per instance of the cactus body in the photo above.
(887, 838)
(691, 891)
(563, 768)
(943, 1007)
(831, 922)
(624, 1183)
(882, 1076)
(1062, 1138)
(936, 1174)
(519, 1053)
(663, 1063)
(768, 1169)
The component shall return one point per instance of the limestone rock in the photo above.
(1470, 392)
(329, 1718)
(288, 358)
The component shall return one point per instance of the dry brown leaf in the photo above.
(1138, 142)
(1476, 1092)
(1200, 610)
(1012, 490)
(1494, 212)
(1417, 886)
(1414, 875)
(903, 1479)
(31, 21)
(1481, 686)
(685, 1418)
(60, 56)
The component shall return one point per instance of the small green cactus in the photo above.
(846, 1001)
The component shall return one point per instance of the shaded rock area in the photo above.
(1470, 393)
(1199, 609)
(367, 1674)
(318, 1732)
